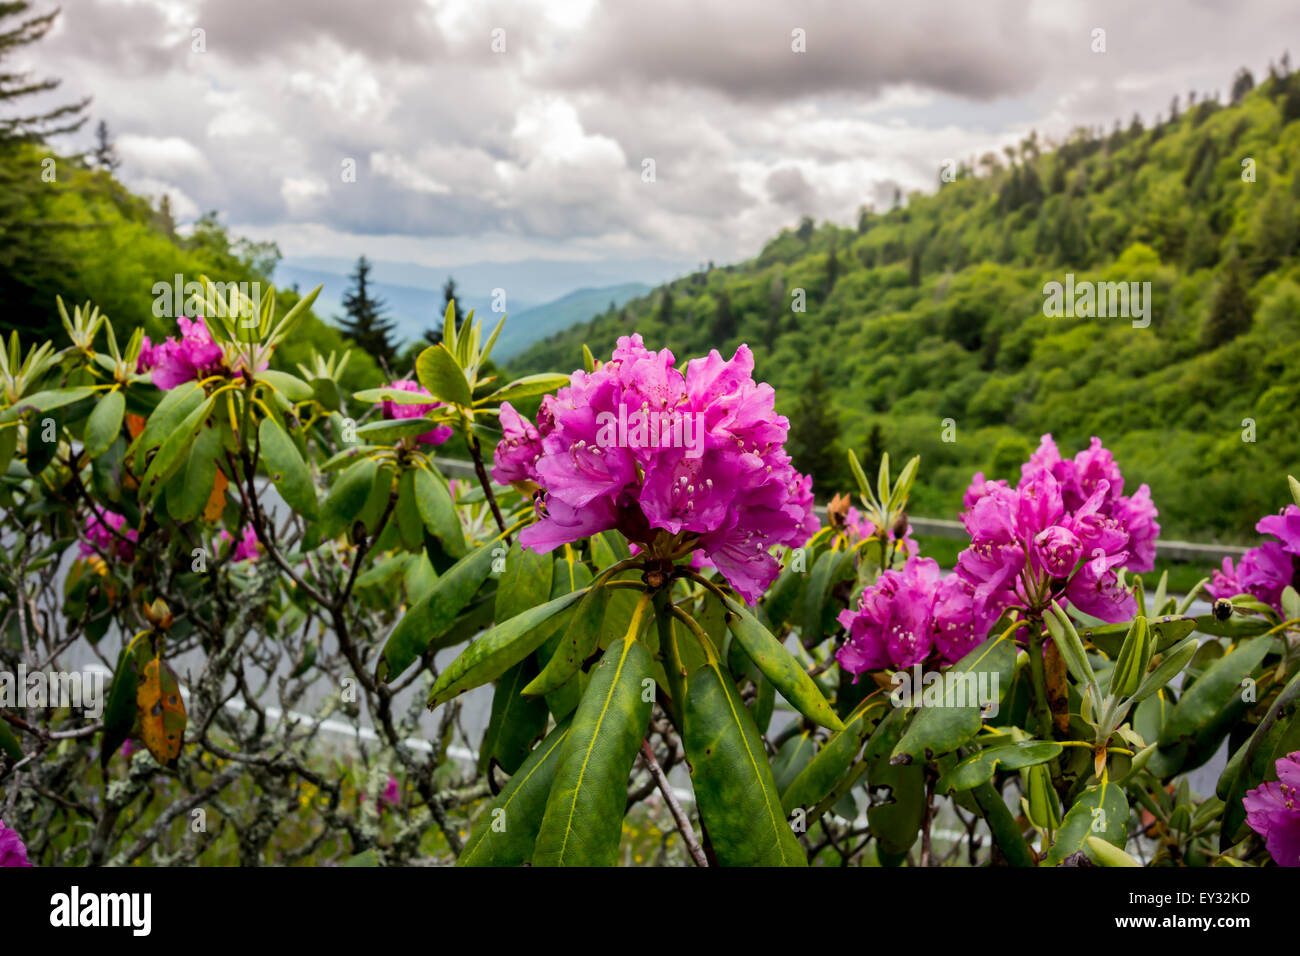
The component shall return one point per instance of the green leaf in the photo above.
(287, 470)
(347, 496)
(105, 423)
(583, 821)
(1134, 656)
(120, 710)
(529, 386)
(442, 376)
(1100, 811)
(427, 620)
(44, 402)
(734, 787)
(1207, 704)
(439, 513)
(780, 667)
(515, 721)
(500, 648)
(793, 756)
(190, 488)
(941, 726)
(979, 767)
(525, 583)
(174, 407)
(576, 645)
(395, 395)
(9, 743)
(506, 832)
(816, 781)
(173, 450)
(290, 386)
(1175, 659)
(1107, 854)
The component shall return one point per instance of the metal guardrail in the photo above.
(946, 528)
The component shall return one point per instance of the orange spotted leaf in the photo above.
(161, 711)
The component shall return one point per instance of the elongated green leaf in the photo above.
(174, 407)
(347, 497)
(952, 717)
(442, 376)
(190, 487)
(9, 743)
(507, 831)
(515, 721)
(780, 667)
(734, 786)
(500, 648)
(576, 645)
(290, 386)
(439, 513)
(979, 767)
(45, 401)
(527, 387)
(583, 821)
(1170, 666)
(816, 781)
(120, 710)
(1100, 811)
(525, 583)
(427, 620)
(105, 423)
(1206, 704)
(173, 450)
(286, 468)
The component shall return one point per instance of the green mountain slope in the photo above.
(932, 315)
(528, 326)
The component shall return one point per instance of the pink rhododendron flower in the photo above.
(245, 547)
(1027, 543)
(1265, 571)
(906, 617)
(194, 356)
(148, 357)
(104, 535)
(1273, 811)
(391, 794)
(437, 434)
(676, 460)
(13, 852)
(515, 459)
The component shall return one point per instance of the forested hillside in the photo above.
(70, 229)
(934, 311)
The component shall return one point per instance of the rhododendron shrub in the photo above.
(626, 574)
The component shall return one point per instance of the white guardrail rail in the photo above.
(944, 528)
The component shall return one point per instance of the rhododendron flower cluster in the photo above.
(1264, 572)
(907, 617)
(193, 356)
(733, 495)
(1061, 534)
(12, 850)
(104, 536)
(246, 547)
(394, 411)
(1273, 811)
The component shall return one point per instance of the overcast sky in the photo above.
(463, 153)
